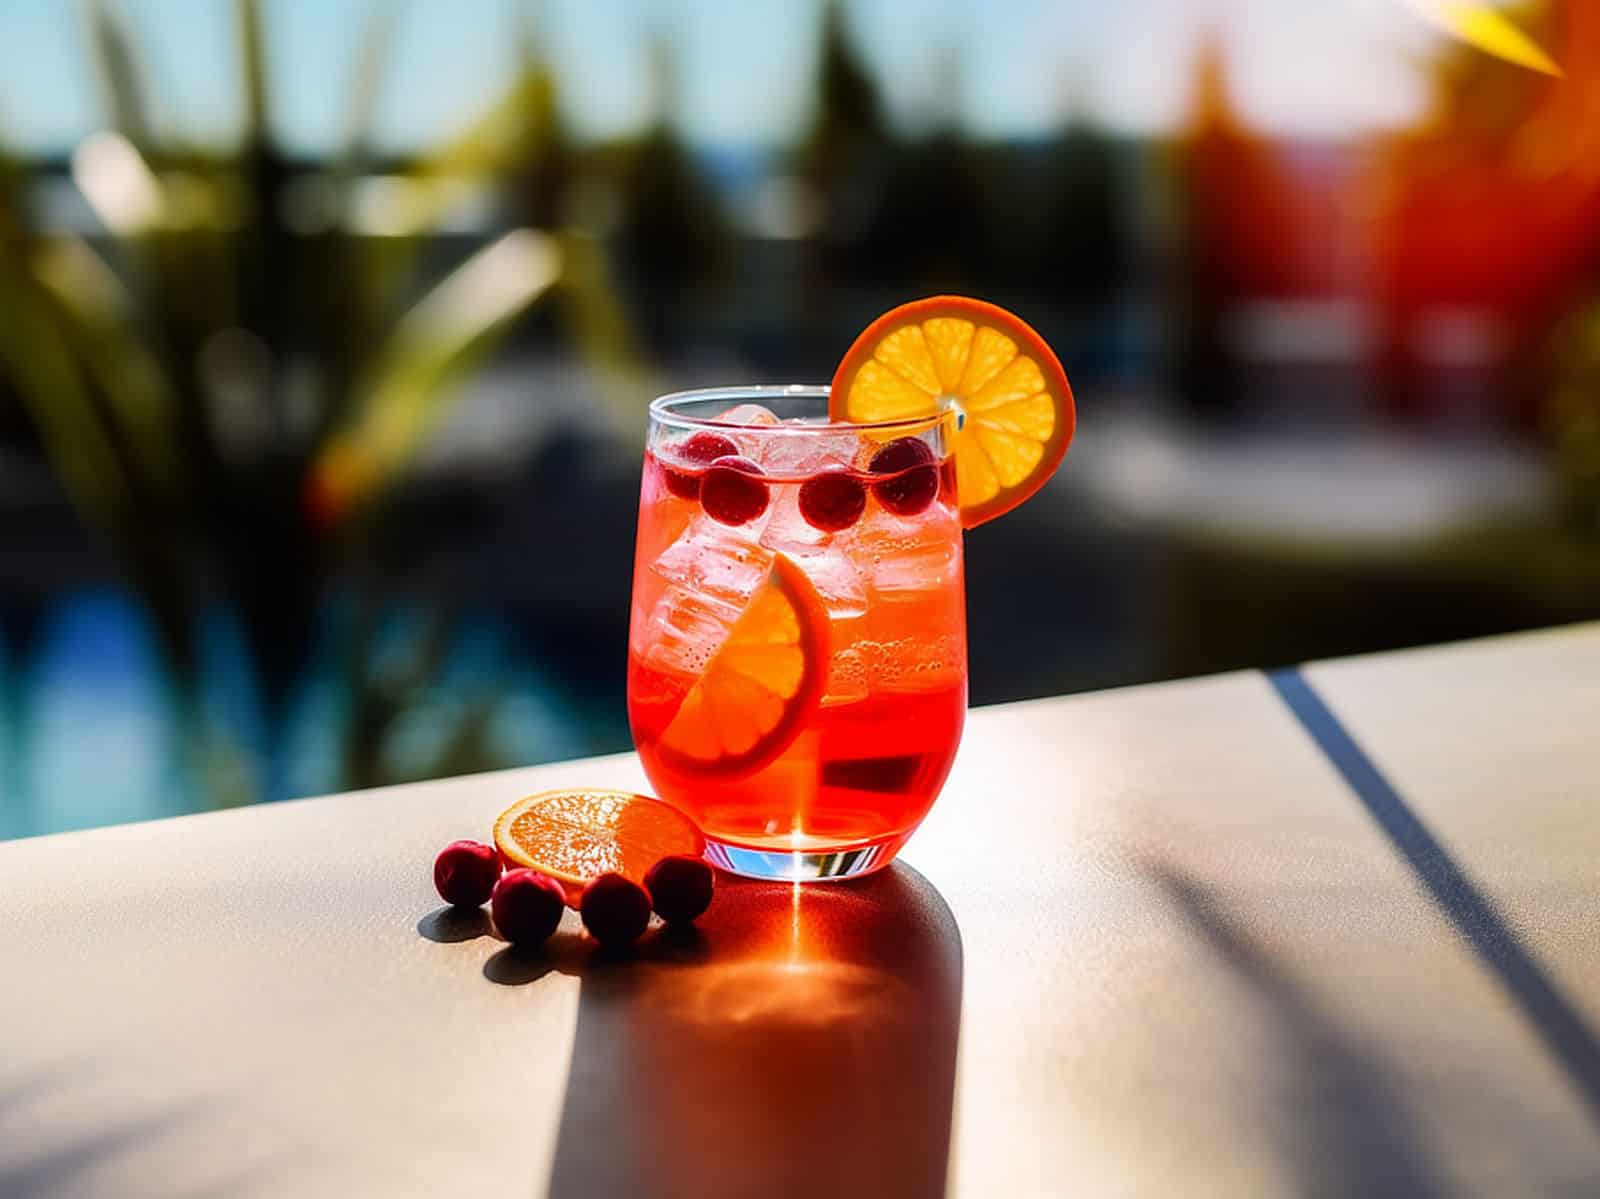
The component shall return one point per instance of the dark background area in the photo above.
(319, 452)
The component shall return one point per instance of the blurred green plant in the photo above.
(227, 389)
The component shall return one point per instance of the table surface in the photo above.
(1335, 931)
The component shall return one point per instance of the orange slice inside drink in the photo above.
(574, 836)
(760, 687)
(1015, 410)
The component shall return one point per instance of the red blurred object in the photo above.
(1462, 240)
(1268, 219)
(1493, 207)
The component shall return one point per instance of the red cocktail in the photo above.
(797, 672)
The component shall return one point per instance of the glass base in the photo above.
(803, 866)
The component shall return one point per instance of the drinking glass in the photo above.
(830, 782)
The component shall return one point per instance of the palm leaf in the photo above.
(87, 455)
(600, 326)
(42, 368)
(366, 88)
(408, 387)
(121, 75)
(253, 68)
(100, 332)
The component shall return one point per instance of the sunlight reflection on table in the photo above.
(802, 1035)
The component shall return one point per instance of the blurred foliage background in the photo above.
(327, 329)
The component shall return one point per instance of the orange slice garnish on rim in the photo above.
(760, 687)
(1015, 404)
(576, 835)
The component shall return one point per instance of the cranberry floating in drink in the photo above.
(909, 477)
(833, 499)
(732, 491)
(689, 460)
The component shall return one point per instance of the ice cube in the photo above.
(787, 529)
(749, 414)
(827, 558)
(806, 450)
(907, 554)
(746, 416)
(725, 562)
(707, 578)
(914, 618)
(837, 580)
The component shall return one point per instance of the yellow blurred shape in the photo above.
(1483, 26)
(117, 182)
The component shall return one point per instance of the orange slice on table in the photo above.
(1016, 414)
(576, 835)
(760, 688)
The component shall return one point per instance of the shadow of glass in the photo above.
(801, 1039)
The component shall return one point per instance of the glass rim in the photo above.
(662, 410)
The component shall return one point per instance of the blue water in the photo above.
(95, 731)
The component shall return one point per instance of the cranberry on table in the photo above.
(733, 492)
(916, 478)
(527, 907)
(680, 887)
(615, 910)
(700, 450)
(832, 499)
(465, 873)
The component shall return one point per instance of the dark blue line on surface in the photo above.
(1563, 1031)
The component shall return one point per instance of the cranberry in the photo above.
(465, 873)
(680, 888)
(700, 450)
(527, 907)
(832, 499)
(732, 491)
(615, 910)
(916, 478)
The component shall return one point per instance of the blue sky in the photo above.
(1000, 68)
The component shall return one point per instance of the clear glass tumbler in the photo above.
(797, 661)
